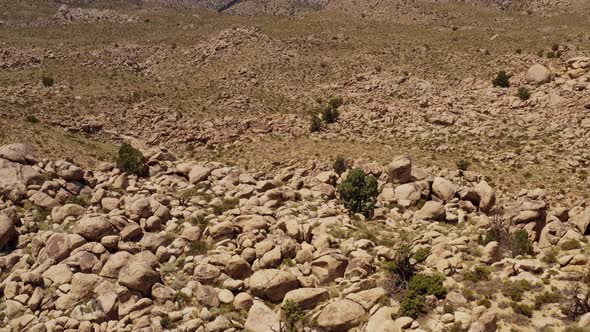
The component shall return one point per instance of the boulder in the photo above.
(400, 170)
(307, 298)
(198, 174)
(431, 211)
(15, 177)
(69, 210)
(93, 228)
(272, 284)
(487, 196)
(443, 189)
(340, 315)
(329, 266)
(262, 319)
(538, 74)
(8, 233)
(581, 219)
(19, 153)
(138, 276)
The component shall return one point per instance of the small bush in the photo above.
(522, 309)
(540, 53)
(575, 303)
(456, 327)
(502, 80)
(463, 164)
(516, 289)
(422, 254)
(335, 103)
(551, 55)
(550, 256)
(358, 192)
(479, 273)
(402, 266)
(420, 286)
(521, 245)
(294, 316)
(198, 247)
(555, 47)
(131, 160)
(484, 302)
(31, 118)
(315, 124)
(545, 298)
(524, 93)
(82, 200)
(339, 165)
(571, 245)
(330, 114)
(226, 205)
(47, 81)
(166, 322)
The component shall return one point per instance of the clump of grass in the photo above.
(522, 309)
(315, 124)
(226, 205)
(339, 165)
(47, 81)
(463, 164)
(523, 93)
(516, 289)
(502, 80)
(521, 244)
(30, 118)
(571, 245)
(546, 298)
(479, 273)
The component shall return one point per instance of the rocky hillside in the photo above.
(210, 247)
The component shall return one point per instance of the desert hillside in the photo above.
(294, 165)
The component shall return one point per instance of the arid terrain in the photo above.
(294, 165)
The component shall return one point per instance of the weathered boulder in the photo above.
(307, 298)
(329, 266)
(272, 284)
(139, 276)
(19, 153)
(431, 211)
(8, 233)
(58, 214)
(443, 189)
(340, 315)
(15, 177)
(400, 170)
(581, 219)
(198, 174)
(93, 228)
(262, 319)
(538, 74)
(487, 196)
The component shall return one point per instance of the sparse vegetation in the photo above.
(358, 192)
(463, 164)
(31, 118)
(522, 309)
(546, 298)
(294, 316)
(571, 245)
(521, 244)
(339, 165)
(502, 80)
(523, 93)
(47, 81)
(131, 160)
(516, 289)
(478, 273)
(315, 124)
(420, 286)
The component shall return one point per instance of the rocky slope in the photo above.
(210, 247)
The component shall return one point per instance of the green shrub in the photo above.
(420, 286)
(31, 118)
(47, 81)
(226, 205)
(550, 256)
(463, 164)
(479, 273)
(315, 124)
(402, 266)
(571, 245)
(166, 322)
(502, 80)
(515, 289)
(456, 327)
(358, 192)
(339, 165)
(198, 247)
(555, 47)
(335, 103)
(294, 316)
(82, 200)
(484, 302)
(521, 245)
(421, 254)
(551, 55)
(522, 309)
(523, 93)
(545, 298)
(330, 114)
(131, 160)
